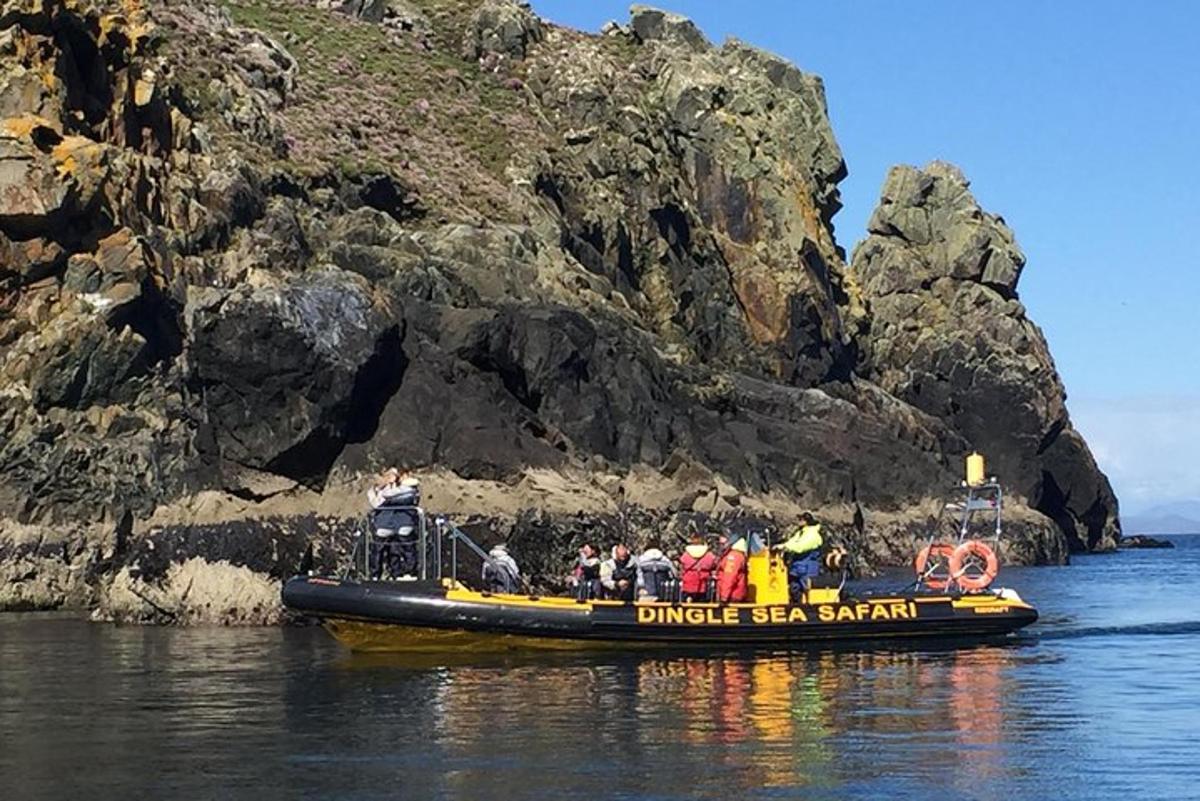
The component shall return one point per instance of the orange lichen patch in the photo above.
(76, 154)
(131, 23)
(22, 127)
(801, 196)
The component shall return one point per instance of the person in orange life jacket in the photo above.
(585, 577)
(802, 551)
(731, 573)
(618, 575)
(696, 569)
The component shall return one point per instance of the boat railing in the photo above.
(957, 519)
(433, 536)
(446, 530)
(429, 560)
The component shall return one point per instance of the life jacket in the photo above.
(587, 569)
(731, 575)
(656, 572)
(626, 570)
(696, 568)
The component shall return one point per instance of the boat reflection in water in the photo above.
(811, 720)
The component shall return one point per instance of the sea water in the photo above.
(1100, 699)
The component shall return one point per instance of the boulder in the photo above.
(501, 28)
(703, 193)
(289, 370)
(651, 24)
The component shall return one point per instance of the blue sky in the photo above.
(1079, 123)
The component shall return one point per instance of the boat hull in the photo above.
(424, 616)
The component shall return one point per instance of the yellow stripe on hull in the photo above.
(554, 603)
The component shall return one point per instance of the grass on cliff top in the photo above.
(367, 98)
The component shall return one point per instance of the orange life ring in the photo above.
(974, 548)
(940, 551)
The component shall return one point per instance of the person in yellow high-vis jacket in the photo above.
(802, 552)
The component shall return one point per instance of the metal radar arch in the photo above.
(953, 560)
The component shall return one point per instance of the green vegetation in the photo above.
(367, 97)
(448, 19)
(331, 48)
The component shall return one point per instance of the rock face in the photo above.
(950, 336)
(588, 286)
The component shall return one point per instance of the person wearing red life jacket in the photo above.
(696, 569)
(731, 574)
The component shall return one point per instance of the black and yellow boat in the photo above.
(441, 614)
(416, 615)
(437, 612)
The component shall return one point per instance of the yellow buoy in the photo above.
(976, 470)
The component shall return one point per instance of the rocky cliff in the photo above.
(586, 285)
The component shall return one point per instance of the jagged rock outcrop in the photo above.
(729, 256)
(501, 28)
(587, 285)
(950, 336)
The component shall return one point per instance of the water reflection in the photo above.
(761, 721)
(1098, 702)
(152, 712)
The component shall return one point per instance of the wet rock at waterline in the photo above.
(1144, 541)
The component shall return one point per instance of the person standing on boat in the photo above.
(618, 575)
(500, 571)
(696, 569)
(395, 519)
(585, 578)
(732, 586)
(655, 575)
(802, 552)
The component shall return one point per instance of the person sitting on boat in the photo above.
(802, 552)
(618, 575)
(500, 571)
(732, 586)
(696, 569)
(395, 518)
(655, 575)
(585, 578)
